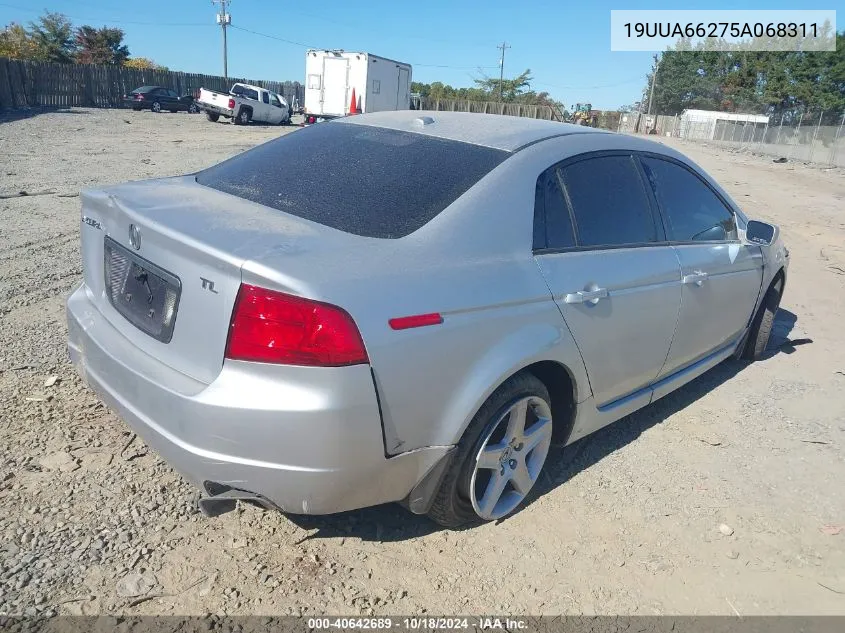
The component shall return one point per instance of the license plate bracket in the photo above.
(144, 294)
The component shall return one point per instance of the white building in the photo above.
(707, 125)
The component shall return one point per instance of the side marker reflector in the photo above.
(418, 320)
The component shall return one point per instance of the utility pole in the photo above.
(224, 19)
(503, 47)
(653, 81)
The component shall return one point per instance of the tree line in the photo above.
(707, 77)
(510, 90)
(54, 38)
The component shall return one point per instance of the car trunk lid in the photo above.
(163, 262)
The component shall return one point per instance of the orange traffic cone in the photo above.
(353, 104)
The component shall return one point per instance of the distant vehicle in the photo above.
(420, 319)
(244, 104)
(159, 99)
(332, 78)
(583, 114)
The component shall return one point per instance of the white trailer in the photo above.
(330, 76)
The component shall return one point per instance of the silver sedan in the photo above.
(411, 306)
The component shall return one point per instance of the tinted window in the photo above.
(171, 93)
(364, 180)
(694, 211)
(265, 97)
(274, 100)
(609, 202)
(249, 93)
(556, 224)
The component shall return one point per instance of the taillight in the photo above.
(231, 104)
(273, 327)
(139, 96)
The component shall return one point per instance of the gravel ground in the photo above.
(724, 498)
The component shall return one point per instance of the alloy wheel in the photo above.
(511, 457)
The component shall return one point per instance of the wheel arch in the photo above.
(780, 275)
(563, 391)
(551, 357)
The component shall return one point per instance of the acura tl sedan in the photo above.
(414, 309)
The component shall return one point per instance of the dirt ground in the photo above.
(726, 497)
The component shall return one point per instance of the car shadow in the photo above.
(391, 522)
(780, 340)
(18, 114)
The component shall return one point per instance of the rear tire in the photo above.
(457, 501)
(243, 118)
(156, 107)
(212, 116)
(761, 327)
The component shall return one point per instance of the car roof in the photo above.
(508, 133)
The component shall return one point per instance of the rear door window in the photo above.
(552, 222)
(265, 97)
(609, 202)
(364, 180)
(693, 210)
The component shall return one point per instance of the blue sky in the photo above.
(565, 44)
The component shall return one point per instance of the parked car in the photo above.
(244, 104)
(158, 99)
(418, 324)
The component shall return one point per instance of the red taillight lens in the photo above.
(274, 327)
(231, 104)
(139, 96)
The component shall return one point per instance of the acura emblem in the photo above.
(134, 237)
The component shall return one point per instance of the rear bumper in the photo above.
(214, 109)
(307, 439)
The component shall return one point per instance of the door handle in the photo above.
(697, 277)
(586, 296)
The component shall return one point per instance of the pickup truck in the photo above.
(243, 104)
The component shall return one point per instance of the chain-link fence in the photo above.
(816, 137)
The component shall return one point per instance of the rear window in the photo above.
(359, 179)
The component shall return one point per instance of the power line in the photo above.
(613, 85)
(304, 45)
(272, 37)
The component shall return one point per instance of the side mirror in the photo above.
(762, 233)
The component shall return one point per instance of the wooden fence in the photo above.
(26, 84)
(607, 120)
(490, 107)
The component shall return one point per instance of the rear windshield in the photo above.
(364, 180)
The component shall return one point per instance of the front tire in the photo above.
(761, 327)
(193, 109)
(500, 456)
